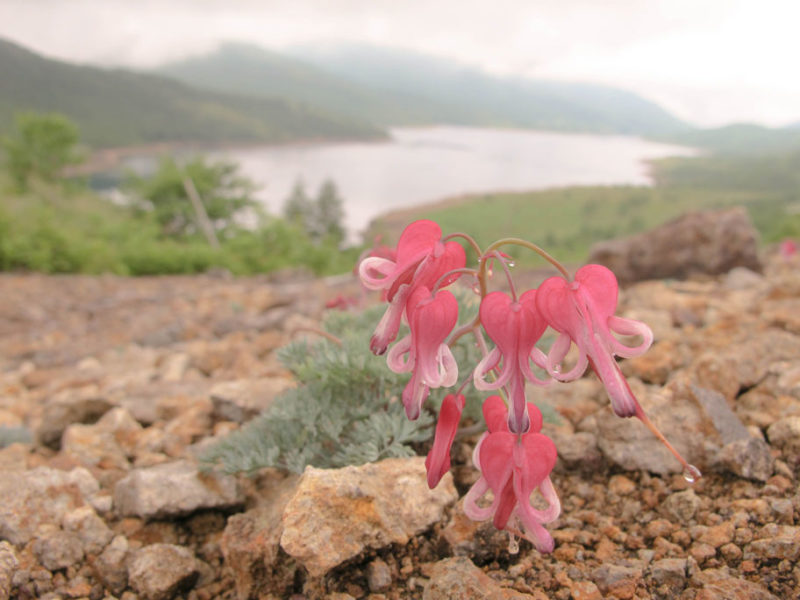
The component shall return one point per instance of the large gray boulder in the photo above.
(709, 242)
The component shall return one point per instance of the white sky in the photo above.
(708, 61)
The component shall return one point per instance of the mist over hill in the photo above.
(399, 87)
(116, 107)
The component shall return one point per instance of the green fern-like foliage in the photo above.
(346, 408)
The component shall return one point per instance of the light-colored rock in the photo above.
(458, 579)
(91, 530)
(617, 581)
(336, 514)
(110, 566)
(93, 447)
(379, 576)
(175, 366)
(251, 544)
(57, 549)
(57, 416)
(243, 399)
(785, 434)
(698, 422)
(41, 496)
(669, 575)
(8, 566)
(775, 542)
(749, 458)
(162, 571)
(717, 584)
(174, 489)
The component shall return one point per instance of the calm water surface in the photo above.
(421, 165)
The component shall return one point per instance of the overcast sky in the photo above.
(708, 61)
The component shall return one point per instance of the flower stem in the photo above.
(469, 239)
(530, 246)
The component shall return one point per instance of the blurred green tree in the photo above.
(223, 199)
(41, 146)
(328, 214)
(320, 218)
(298, 208)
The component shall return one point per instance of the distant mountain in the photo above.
(470, 96)
(399, 87)
(118, 107)
(248, 69)
(741, 139)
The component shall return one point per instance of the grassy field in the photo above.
(566, 222)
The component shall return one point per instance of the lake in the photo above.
(425, 164)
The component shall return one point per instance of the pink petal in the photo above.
(394, 359)
(418, 237)
(437, 463)
(495, 413)
(629, 327)
(414, 395)
(389, 325)
(431, 320)
(536, 419)
(533, 530)
(534, 458)
(623, 402)
(554, 300)
(475, 493)
(600, 284)
(416, 243)
(487, 363)
(505, 502)
(441, 260)
(370, 268)
(496, 459)
(557, 353)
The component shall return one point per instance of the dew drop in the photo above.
(476, 289)
(511, 264)
(692, 474)
(513, 544)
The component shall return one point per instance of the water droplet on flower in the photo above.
(511, 264)
(692, 474)
(513, 544)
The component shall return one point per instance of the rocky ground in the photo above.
(122, 381)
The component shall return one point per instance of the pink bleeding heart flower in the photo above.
(424, 351)
(513, 466)
(582, 311)
(515, 327)
(421, 259)
(437, 463)
(788, 249)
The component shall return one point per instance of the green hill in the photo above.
(471, 96)
(741, 139)
(118, 107)
(399, 87)
(254, 71)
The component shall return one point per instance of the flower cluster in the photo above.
(515, 459)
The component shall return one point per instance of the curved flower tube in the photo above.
(423, 351)
(515, 327)
(582, 312)
(513, 466)
(437, 463)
